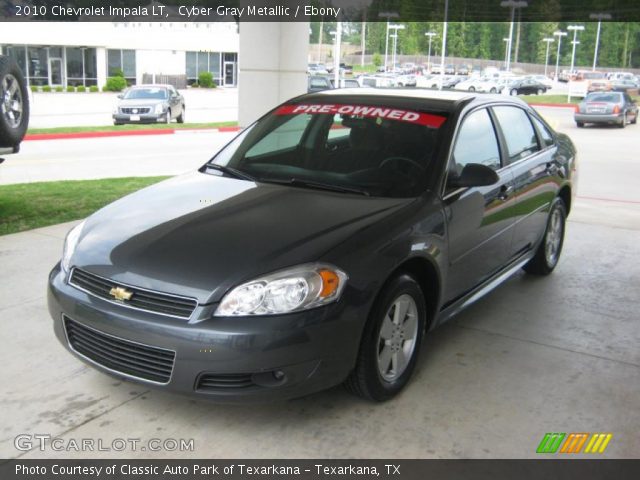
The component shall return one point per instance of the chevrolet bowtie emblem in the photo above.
(120, 293)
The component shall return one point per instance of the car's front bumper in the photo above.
(311, 351)
(142, 118)
(598, 117)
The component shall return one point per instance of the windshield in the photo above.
(146, 94)
(378, 151)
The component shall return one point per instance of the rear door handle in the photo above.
(505, 192)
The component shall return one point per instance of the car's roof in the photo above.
(446, 101)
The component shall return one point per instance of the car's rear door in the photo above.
(480, 219)
(531, 149)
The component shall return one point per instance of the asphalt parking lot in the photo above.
(558, 354)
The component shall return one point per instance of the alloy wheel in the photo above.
(11, 103)
(397, 338)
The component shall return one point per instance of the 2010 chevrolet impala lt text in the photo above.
(318, 246)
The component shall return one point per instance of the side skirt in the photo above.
(483, 289)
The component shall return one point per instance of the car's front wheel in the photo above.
(14, 103)
(548, 253)
(514, 92)
(167, 119)
(390, 342)
(540, 91)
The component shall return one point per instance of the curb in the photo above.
(123, 133)
(554, 105)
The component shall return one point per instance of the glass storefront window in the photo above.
(74, 63)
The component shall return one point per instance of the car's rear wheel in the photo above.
(14, 103)
(540, 91)
(513, 92)
(548, 253)
(181, 116)
(580, 124)
(472, 89)
(623, 123)
(390, 342)
(493, 90)
(635, 119)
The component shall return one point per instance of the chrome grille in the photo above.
(156, 302)
(138, 110)
(120, 355)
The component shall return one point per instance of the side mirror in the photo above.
(120, 96)
(474, 175)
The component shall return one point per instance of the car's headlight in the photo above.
(291, 290)
(70, 246)
(159, 108)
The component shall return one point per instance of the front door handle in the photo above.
(505, 192)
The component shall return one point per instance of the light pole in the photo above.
(576, 29)
(430, 35)
(548, 41)
(558, 34)
(599, 17)
(444, 43)
(388, 16)
(512, 4)
(395, 29)
(337, 35)
(506, 50)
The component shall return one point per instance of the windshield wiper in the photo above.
(297, 182)
(233, 172)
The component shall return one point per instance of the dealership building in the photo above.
(86, 53)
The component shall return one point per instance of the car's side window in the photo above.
(547, 137)
(476, 143)
(518, 132)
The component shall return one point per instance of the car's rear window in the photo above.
(603, 97)
(379, 149)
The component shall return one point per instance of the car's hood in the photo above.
(139, 102)
(199, 235)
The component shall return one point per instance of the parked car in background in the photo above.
(607, 108)
(482, 84)
(14, 106)
(463, 70)
(406, 80)
(317, 83)
(317, 69)
(149, 104)
(338, 230)
(436, 68)
(447, 81)
(345, 83)
(543, 79)
(449, 69)
(525, 86)
(383, 80)
(625, 85)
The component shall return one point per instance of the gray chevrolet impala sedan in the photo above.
(318, 247)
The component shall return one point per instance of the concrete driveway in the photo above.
(558, 354)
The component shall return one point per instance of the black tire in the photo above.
(514, 92)
(542, 263)
(366, 380)
(540, 91)
(180, 118)
(167, 120)
(623, 123)
(580, 124)
(472, 89)
(635, 119)
(493, 90)
(13, 93)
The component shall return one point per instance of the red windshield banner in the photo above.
(426, 119)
